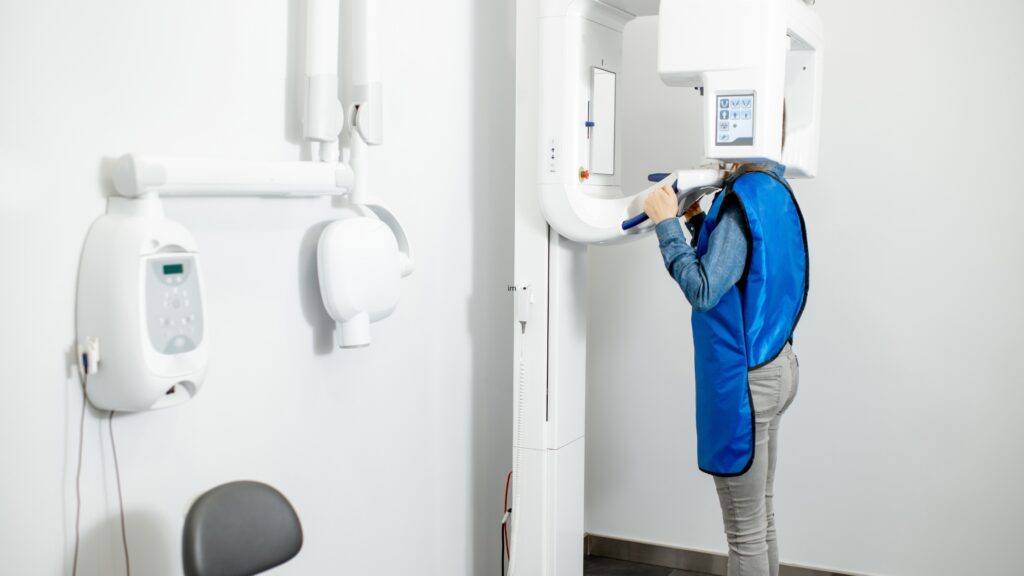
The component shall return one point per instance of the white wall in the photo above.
(901, 454)
(394, 455)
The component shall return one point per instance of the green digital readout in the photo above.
(173, 269)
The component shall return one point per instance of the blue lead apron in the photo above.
(751, 324)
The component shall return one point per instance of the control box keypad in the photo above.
(174, 307)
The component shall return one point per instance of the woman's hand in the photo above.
(692, 211)
(661, 204)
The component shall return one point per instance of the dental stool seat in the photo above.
(239, 529)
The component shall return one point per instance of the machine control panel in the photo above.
(173, 305)
(735, 120)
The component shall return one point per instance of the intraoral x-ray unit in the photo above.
(141, 293)
(747, 57)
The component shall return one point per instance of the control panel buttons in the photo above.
(735, 122)
(174, 320)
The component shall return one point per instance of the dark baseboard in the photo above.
(679, 558)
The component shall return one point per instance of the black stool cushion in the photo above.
(240, 529)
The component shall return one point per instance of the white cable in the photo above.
(516, 508)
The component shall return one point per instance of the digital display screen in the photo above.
(735, 120)
(173, 269)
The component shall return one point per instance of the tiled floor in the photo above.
(594, 566)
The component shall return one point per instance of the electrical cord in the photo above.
(506, 533)
(78, 485)
(78, 481)
(506, 515)
(519, 417)
(120, 497)
(505, 511)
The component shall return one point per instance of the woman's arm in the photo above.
(705, 280)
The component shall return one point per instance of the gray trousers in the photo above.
(747, 508)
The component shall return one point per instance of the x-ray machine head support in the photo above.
(750, 58)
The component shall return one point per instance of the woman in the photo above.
(746, 276)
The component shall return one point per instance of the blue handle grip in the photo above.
(642, 217)
(634, 221)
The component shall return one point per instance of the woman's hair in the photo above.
(731, 167)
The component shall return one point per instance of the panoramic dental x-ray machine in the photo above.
(749, 59)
